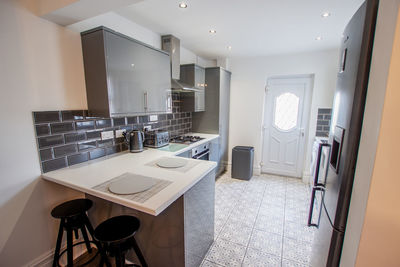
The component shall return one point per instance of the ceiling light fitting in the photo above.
(318, 38)
(212, 31)
(325, 14)
(229, 47)
(182, 5)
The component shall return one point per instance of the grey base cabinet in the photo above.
(215, 118)
(180, 236)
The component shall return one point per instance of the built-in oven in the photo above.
(201, 152)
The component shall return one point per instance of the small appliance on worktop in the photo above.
(135, 140)
(156, 139)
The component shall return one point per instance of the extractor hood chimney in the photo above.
(172, 45)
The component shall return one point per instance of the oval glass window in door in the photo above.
(286, 111)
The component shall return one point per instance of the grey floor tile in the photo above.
(226, 253)
(238, 235)
(289, 263)
(207, 263)
(268, 242)
(258, 258)
(296, 250)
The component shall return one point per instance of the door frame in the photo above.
(309, 79)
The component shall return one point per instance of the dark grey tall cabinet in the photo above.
(215, 118)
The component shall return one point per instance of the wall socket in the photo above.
(107, 135)
(153, 117)
(119, 133)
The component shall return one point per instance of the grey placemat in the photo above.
(138, 197)
(190, 164)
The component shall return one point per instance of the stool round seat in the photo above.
(72, 208)
(73, 218)
(117, 229)
(117, 235)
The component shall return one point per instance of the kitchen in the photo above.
(48, 75)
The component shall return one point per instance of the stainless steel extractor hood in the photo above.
(172, 45)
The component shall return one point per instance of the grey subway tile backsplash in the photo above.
(78, 158)
(86, 145)
(46, 154)
(64, 150)
(51, 140)
(54, 164)
(63, 127)
(93, 134)
(42, 129)
(119, 121)
(113, 149)
(84, 125)
(70, 115)
(105, 143)
(132, 120)
(323, 122)
(69, 137)
(105, 123)
(97, 153)
(46, 116)
(74, 137)
(143, 119)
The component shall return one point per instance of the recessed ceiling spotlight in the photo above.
(212, 31)
(325, 14)
(229, 47)
(318, 38)
(182, 5)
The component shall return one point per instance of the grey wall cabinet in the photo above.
(193, 75)
(215, 118)
(124, 76)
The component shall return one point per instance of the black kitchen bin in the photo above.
(242, 162)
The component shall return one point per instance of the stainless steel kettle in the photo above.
(135, 140)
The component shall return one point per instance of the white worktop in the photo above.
(83, 177)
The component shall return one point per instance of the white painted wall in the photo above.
(41, 69)
(125, 26)
(249, 76)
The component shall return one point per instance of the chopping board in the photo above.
(129, 183)
(171, 162)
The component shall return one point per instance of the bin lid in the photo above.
(247, 148)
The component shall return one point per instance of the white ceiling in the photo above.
(251, 27)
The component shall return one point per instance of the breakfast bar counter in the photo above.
(176, 214)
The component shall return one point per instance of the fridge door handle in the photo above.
(310, 212)
(318, 164)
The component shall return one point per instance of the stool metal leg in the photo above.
(139, 253)
(86, 238)
(118, 259)
(70, 257)
(58, 244)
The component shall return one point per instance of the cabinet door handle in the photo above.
(145, 100)
(169, 101)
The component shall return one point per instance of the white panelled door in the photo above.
(285, 120)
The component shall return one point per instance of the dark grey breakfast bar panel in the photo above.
(180, 235)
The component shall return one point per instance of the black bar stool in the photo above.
(117, 236)
(73, 218)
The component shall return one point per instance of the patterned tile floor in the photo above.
(261, 222)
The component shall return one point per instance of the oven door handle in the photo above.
(205, 152)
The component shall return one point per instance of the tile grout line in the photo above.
(284, 216)
(252, 230)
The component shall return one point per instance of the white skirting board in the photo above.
(46, 259)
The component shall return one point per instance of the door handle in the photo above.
(302, 132)
(145, 101)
